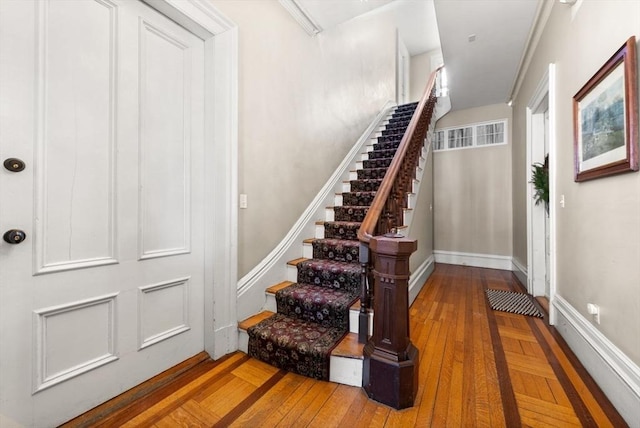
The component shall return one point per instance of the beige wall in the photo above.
(420, 70)
(303, 102)
(473, 190)
(598, 230)
(421, 227)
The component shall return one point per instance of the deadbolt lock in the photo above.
(14, 164)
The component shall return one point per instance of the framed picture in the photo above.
(605, 118)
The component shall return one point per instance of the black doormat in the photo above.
(510, 301)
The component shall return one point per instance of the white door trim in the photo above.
(546, 87)
(220, 37)
(402, 71)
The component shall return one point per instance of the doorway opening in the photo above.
(541, 219)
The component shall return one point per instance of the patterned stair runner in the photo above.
(313, 314)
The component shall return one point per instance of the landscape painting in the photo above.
(602, 122)
(605, 115)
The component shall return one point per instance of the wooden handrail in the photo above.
(387, 207)
(371, 220)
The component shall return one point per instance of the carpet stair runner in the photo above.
(313, 312)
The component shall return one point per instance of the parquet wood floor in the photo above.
(478, 368)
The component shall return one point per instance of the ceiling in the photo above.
(482, 45)
(415, 19)
(480, 72)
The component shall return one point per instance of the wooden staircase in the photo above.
(346, 361)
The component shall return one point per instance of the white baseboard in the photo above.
(489, 261)
(419, 277)
(613, 371)
(520, 272)
(225, 341)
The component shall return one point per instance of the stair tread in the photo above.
(348, 265)
(295, 262)
(337, 240)
(360, 193)
(349, 347)
(277, 287)
(254, 319)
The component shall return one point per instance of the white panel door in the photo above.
(103, 101)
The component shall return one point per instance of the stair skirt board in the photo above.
(314, 312)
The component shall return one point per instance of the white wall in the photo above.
(421, 68)
(473, 190)
(303, 102)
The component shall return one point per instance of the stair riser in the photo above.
(364, 185)
(347, 371)
(372, 173)
(348, 213)
(270, 304)
(397, 125)
(307, 251)
(354, 321)
(376, 163)
(348, 280)
(339, 253)
(333, 231)
(358, 199)
(389, 145)
(402, 121)
(329, 214)
(243, 341)
(344, 370)
(354, 315)
(325, 306)
(382, 154)
(291, 274)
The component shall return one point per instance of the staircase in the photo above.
(310, 320)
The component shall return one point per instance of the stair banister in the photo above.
(386, 210)
(391, 360)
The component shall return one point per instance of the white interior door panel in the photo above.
(103, 100)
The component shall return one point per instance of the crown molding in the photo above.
(301, 16)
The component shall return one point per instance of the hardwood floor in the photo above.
(478, 367)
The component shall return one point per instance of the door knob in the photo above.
(14, 236)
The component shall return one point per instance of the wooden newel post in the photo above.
(391, 361)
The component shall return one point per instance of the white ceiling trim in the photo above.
(301, 16)
(539, 22)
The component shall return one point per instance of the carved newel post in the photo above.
(390, 359)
